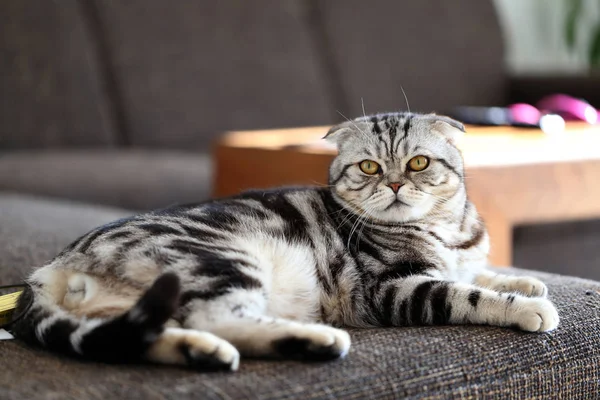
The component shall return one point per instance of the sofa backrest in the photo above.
(442, 53)
(153, 73)
(52, 81)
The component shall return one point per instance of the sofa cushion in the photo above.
(417, 362)
(33, 230)
(134, 179)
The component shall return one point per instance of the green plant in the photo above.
(576, 13)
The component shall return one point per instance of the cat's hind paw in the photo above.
(314, 343)
(535, 315)
(195, 349)
(203, 350)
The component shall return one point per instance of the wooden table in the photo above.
(514, 175)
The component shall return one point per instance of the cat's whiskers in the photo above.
(439, 213)
(345, 219)
(352, 230)
(319, 184)
(361, 217)
(364, 224)
(350, 213)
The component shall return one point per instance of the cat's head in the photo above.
(397, 167)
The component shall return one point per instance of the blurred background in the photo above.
(117, 103)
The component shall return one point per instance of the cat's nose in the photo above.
(395, 186)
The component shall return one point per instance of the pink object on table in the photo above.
(525, 113)
(569, 107)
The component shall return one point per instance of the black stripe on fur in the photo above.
(474, 297)
(295, 224)
(221, 287)
(440, 309)
(448, 166)
(376, 128)
(155, 228)
(387, 309)
(335, 180)
(419, 300)
(86, 241)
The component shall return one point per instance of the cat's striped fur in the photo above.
(267, 274)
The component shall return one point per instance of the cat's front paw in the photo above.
(534, 314)
(525, 285)
(530, 287)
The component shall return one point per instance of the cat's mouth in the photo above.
(396, 203)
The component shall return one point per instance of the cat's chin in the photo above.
(397, 213)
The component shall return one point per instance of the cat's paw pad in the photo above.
(527, 286)
(203, 350)
(535, 315)
(314, 343)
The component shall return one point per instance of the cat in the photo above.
(391, 241)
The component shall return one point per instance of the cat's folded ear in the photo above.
(341, 132)
(450, 128)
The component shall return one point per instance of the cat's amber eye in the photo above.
(369, 167)
(418, 163)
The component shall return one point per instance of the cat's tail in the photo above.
(124, 338)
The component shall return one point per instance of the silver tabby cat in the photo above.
(392, 241)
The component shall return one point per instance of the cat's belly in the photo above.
(289, 278)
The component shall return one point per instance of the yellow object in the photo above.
(418, 163)
(369, 167)
(8, 303)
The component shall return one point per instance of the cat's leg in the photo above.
(421, 300)
(197, 349)
(524, 285)
(239, 317)
(263, 336)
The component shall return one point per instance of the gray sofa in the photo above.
(110, 107)
(417, 362)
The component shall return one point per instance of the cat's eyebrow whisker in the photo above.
(352, 122)
(362, 102)
(405, 98)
